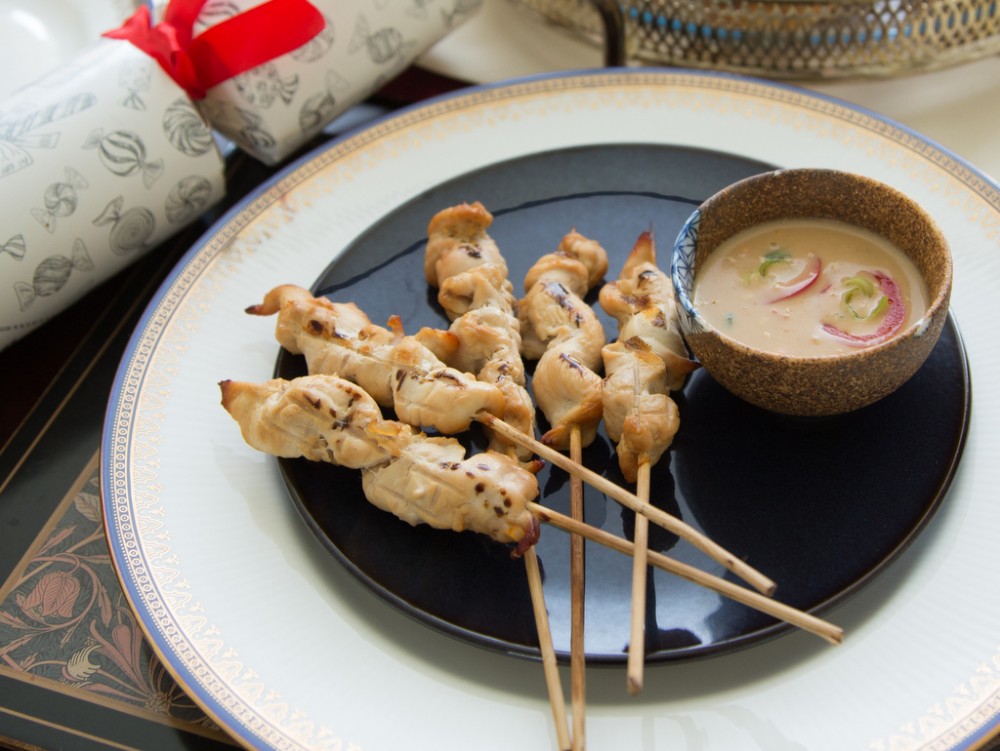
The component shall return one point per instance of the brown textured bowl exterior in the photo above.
(819, 386)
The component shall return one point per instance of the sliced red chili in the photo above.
(801, 283)
(891, 322)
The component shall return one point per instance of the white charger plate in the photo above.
(287, 650)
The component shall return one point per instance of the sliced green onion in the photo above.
(865, 286)
(883, 305)
(861, 284)
(775, 256)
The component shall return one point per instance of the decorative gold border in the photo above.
(131, 473)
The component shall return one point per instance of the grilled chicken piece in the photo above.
(419, 479)
(466, 266)
(334, 337)
(562, 332)
(457, 241)
(432, 482)
(564, 263)
(642, 301)
(426, 392)
(483, 339)
(485, 286)
(322, 418)
(639, 414)
(646, 362)
(551, 312)
(400, 372)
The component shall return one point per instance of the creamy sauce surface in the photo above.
(809, 288)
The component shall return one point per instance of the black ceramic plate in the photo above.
(819, 505)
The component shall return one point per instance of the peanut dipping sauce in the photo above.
(809, 288)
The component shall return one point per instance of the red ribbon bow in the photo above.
(228, 48)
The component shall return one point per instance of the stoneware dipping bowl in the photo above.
(813, 386)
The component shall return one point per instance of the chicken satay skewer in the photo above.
(418, 478)
(324, 417)
(642, 366)
(563, 334)
(315, 328)
(474, 290)
(293, 419)
(398, 372)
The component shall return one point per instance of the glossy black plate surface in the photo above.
(819, 505)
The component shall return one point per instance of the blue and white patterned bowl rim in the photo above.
(682, 273)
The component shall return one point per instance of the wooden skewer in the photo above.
(640, 559)
(578, 679)
(671, 523)
(549, 664)
(807, 622)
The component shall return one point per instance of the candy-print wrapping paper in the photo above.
(273, 109)
(100, 160)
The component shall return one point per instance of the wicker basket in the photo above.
(793, 38)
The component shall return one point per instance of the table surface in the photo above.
(56, 379)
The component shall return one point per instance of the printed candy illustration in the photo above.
(383, 46)
(214, 11)
(60, 200)
(459, 11)
(52, 274)
(316, 47)
(135, 77)
(21, 133)
(242, 125)
(187, 199)
(320, 108)
(15, 247)
(264, 85)
(124, 154)
(185, 128)
(129, 229)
